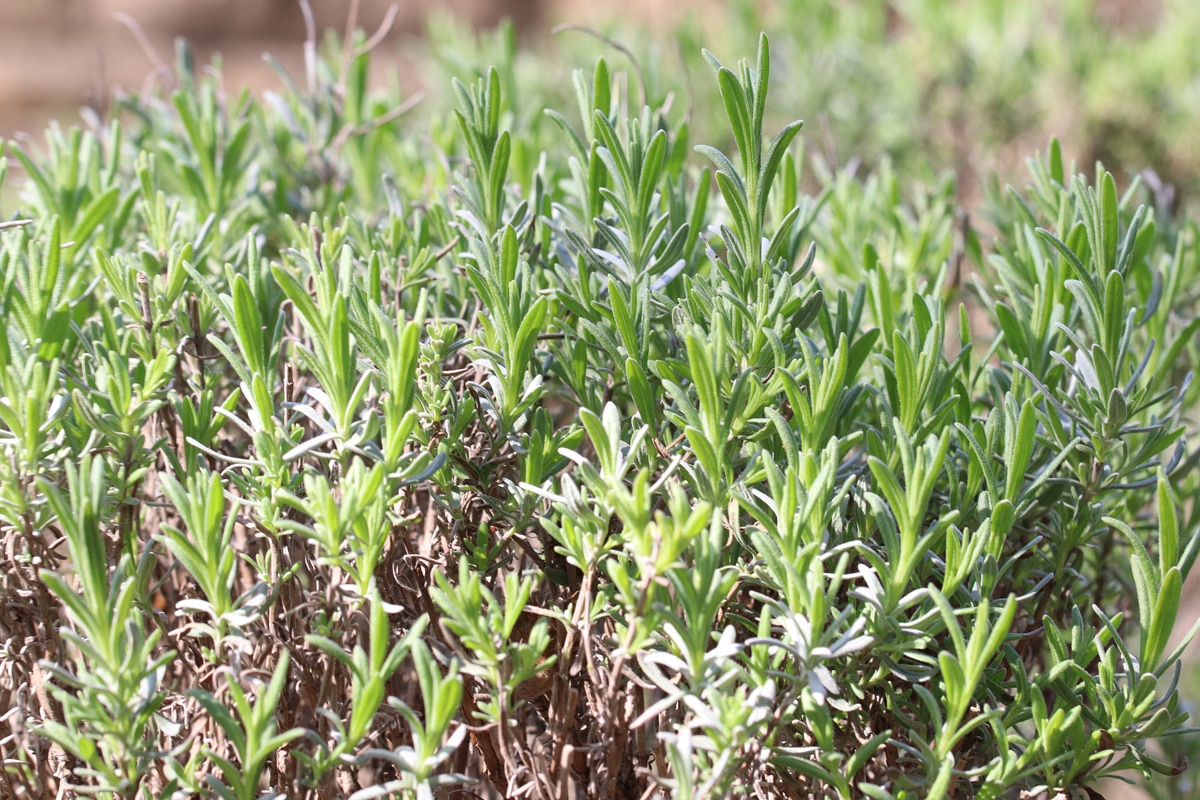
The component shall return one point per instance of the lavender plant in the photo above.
(519, 461)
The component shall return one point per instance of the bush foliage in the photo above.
(549, 453)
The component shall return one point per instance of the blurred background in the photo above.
(56, 55)
(973, 87)
(928, 90)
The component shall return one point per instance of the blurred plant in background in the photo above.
(930, 85)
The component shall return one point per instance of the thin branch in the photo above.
(139, 34)
(613, 43)
(381, 33)
(350, 131)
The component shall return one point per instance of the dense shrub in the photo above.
(344, 459)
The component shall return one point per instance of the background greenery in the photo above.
(931, 85)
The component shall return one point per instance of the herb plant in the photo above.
(557, 455)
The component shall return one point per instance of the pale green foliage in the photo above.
(335, 443)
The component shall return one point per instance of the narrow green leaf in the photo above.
(1166, 608)
(1168, 526)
